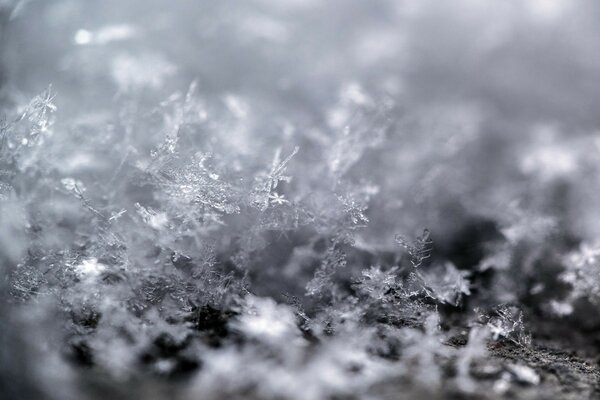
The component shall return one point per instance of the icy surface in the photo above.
(302, 199)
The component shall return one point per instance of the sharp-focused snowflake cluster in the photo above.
(296, 200)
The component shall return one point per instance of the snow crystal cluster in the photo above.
(299, 199)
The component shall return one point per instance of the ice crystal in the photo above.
(377, 283)
(203, 203)
(267, 184)
(447, 284)
(507, 323)
(195, 184)
(419, 249)
(39, 112)
(322, 280)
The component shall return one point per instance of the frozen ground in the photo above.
(299, 199)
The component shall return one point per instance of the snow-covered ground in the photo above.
(299, 199)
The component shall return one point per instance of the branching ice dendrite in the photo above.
(334, 260)
(508, 323)
(376, 283)
(268, 183)
(419, 250)
(447, 285)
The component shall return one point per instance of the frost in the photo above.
(39, 112)
(161, 231)
(25, 129)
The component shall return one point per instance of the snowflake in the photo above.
(268, 183)
(419, 250)
(508, 323)
(322, 280)
(376, 283)
(277, 199)
(447, 284)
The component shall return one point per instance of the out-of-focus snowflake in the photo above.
(377, 283)
(582, 272)
(475, 349)
(446, 284)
